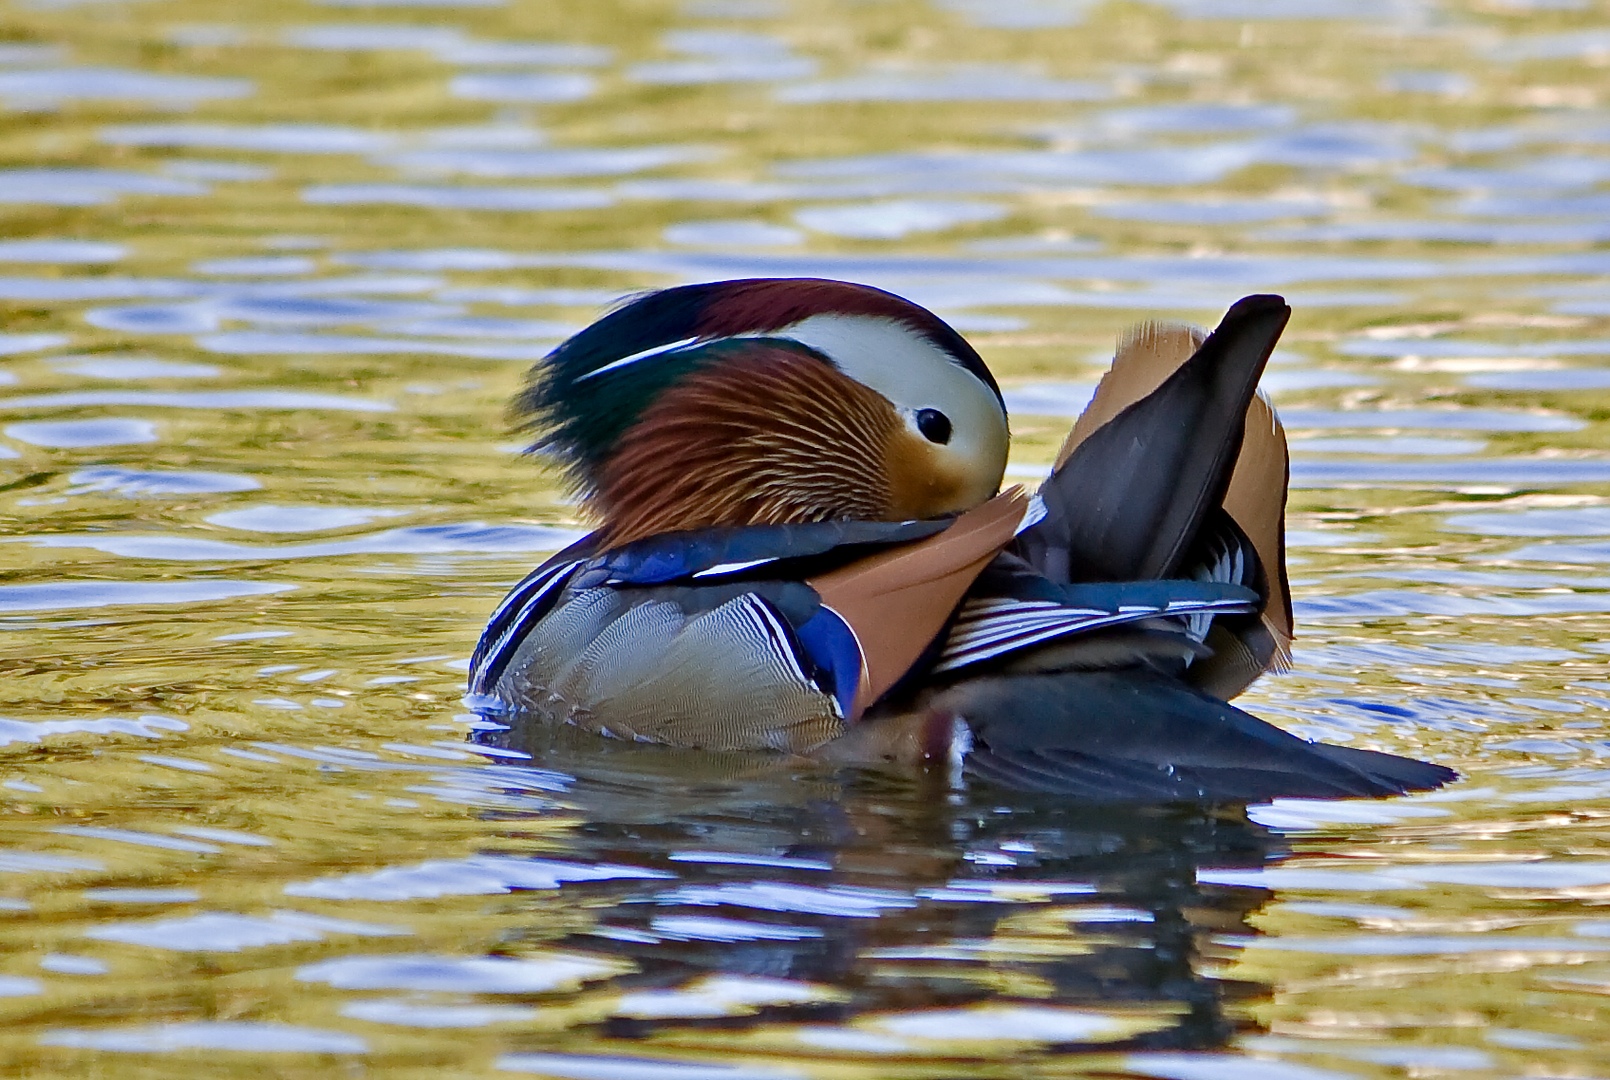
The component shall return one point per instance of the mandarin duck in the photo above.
(801, 548)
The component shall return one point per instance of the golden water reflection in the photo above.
(270, 273)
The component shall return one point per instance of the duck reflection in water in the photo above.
(801, 552)
(898, 896)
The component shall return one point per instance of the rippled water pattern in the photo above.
(269, 274)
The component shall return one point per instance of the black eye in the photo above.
(934, 425)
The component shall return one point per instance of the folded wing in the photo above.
(1178, 468)
(1109, 736)
(1096, 660)
(710, 638)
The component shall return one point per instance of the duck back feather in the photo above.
(1177, 458)
(1128, 501)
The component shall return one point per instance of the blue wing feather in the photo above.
(708, 553)
(831, 645)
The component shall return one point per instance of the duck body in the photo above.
(707, 639)
(801, 550)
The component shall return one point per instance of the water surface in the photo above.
(270, 273)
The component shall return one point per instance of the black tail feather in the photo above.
(1128, 503)
(1134, 735)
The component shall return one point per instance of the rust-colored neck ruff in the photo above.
(769, 438)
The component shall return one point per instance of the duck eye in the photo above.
(934, 425)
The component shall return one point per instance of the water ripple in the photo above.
(406, 1013)
(173, 399)
(1444, 419)
(524, 86)
(86, 187)
(713, 928)
(35, 731)
(505, 164)
(239, 1036)
(470, 536)
(81, 434)
(66, 252)
(596, 1067)
(845, 901)
(266, 138)
(31, 88)
(466, 975)
(1517, 472)
(442, 197)
(1391, 603)
(63, 595)
(968, 83)
(296, 519)
(268, 342)
(474, 876)
(218, 931)
(1575, 521)
(130, 367)
(135, 483)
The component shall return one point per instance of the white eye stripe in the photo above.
(801, 333)
(644, 354)
(897, 361)
(658, 351)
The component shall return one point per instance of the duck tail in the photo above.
(1127, 735)
(1151, 459)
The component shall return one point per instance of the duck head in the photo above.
(768, 401)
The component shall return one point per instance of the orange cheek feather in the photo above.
(769, 437)
(924, 482)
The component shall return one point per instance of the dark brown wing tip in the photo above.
(1256, 303)
(1266, 312)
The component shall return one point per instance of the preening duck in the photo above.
(801, 548)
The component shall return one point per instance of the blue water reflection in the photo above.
(41, 87)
